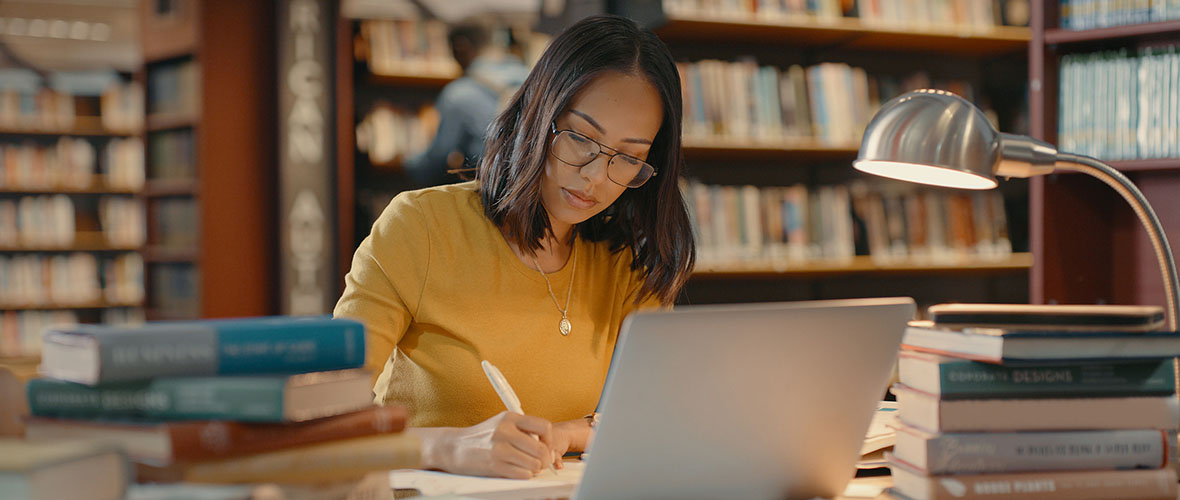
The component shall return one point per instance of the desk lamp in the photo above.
(938, 138)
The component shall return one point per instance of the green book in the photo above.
(956, 378)
(260, 398)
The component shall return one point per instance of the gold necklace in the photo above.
(564, 326)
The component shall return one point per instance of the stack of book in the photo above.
(258, 400)
(1023, 405)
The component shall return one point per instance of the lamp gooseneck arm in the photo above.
(1155, 230)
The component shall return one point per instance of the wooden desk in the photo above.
(14, 406)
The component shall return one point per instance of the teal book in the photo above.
(247, 398)
(956, 378)
(99, 354)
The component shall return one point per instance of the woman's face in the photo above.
(619, 111)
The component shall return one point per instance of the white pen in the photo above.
(507, 395)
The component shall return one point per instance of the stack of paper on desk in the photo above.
(880, 436)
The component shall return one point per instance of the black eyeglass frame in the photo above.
(601, 147)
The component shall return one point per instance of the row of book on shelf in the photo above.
(1120, 105)
(173, 88)
(970, 15)
(403, 46)
(30, 101)
(55, 220)
(20, 331)
(174, 222)
(1028, 402)
(389, 133)
(70, 279)
(829, 102)
(246, 401)
(420, 47)
(171, 155)
(174, 289)
(72, 163)
(783, 226)
(1093, 14)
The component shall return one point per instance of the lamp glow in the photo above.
(925, 174)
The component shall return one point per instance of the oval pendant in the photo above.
(565, 327)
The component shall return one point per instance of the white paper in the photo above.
(881, 431)
(863, 490)
(430, 483)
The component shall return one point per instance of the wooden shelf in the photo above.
(81, 129)
(163, 188)
(715, 149)
(165, 315)
(95, 188)
(426, 80)
(77, 247)
(1062, 36)
(171, 255)
(1147, 165)
(170, 121)
(866, 265)
(68, 307)
(86, 241)
(848, 33)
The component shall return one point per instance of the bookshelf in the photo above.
(71, 223)
(847, 32)
(210, 190)
(1087, 244)
(866, 266)
(971, 54)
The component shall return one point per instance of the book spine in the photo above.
(1045, 451)
(229, 347)
(1125, 484)
(326, 462)
(249, 399)
(218, 440)
(188, 349)
(290, 346)
(928, 412)
(973, 379)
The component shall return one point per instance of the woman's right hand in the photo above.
(501, 446)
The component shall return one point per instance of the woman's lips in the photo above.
(577, 200)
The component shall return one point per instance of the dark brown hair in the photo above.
(650, 221)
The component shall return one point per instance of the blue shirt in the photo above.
(466, 107)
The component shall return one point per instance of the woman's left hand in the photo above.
(570, 435)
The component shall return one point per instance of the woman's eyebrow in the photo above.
(594, 123)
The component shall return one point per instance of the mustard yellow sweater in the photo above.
(439, 289)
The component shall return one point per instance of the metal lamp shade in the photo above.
(931, 137)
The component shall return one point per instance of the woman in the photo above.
(575, 219)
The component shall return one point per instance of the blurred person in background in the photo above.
(467, 105)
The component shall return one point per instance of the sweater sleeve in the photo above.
(384, 285)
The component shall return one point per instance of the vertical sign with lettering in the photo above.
(306, 170)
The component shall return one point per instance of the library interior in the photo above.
(259, 248)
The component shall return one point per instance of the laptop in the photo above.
(744, 401)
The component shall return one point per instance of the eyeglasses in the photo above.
(577, 150)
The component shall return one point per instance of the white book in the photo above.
(1026, 451)
(929, 413)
